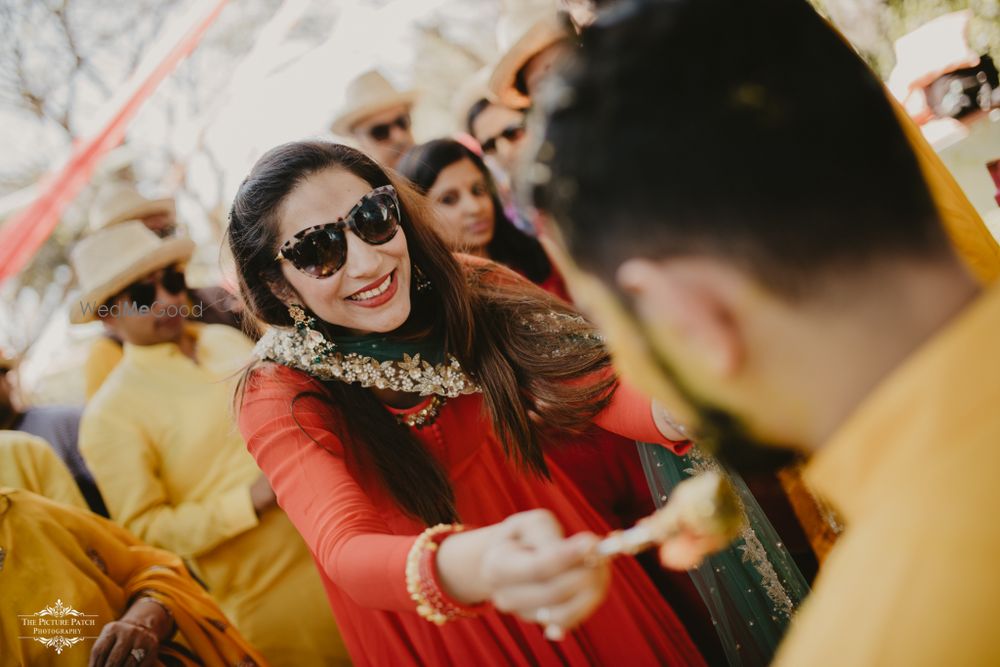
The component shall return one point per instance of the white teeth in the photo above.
(372, 293)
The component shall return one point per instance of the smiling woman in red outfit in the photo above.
(402, 390)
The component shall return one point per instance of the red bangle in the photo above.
(422, 580)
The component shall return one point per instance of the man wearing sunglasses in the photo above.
(160, 440)
(377, 116)
(500, 132)
(114, 204)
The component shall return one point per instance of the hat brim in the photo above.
(542, 35)
(169, 252)
(344, 123)
(151, 207)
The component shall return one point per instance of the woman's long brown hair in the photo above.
(527, 350)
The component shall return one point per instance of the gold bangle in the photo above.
(432, 604)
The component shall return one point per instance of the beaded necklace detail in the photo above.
(307, 350)
(425, 416)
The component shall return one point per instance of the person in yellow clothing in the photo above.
(812, 303)
(160, 438)
(119, 202)
(102, 357)
(79, 590)
(533, 33)
(28, 462)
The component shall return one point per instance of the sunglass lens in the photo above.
(378, 219)
(319, 254)
(173, 281)
(513, 133)
(142, 294)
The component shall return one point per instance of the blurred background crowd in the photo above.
(128, 130)
(267, 71)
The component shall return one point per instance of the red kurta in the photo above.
(360, 539)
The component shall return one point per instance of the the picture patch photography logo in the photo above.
(58, 626)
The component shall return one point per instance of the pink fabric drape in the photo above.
(28, 229)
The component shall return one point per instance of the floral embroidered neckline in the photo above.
(308, 350)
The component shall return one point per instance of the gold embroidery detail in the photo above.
(753, 549)
(307, 350)
(424, 416)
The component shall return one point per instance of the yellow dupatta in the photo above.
(65, 572)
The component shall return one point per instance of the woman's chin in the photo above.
(385, 319)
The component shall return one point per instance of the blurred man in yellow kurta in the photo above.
(776, 269)
(160, 439)
(117, 203)
(28, 462)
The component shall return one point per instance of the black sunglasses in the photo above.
(143, 293)
(509, 133)
(321, 251)
(382, 131)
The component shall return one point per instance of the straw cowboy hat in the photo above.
(118, 202)
(366, 95)
(527, 29)
(110, 260)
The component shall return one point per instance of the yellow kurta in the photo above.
(103, 356)
(54, 555)
(28, 462)
(162, 444)
(914, 578)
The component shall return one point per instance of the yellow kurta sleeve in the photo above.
(969, 235)
(102, 358)
(125, 466)
(28, 462)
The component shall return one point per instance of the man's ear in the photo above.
(691, 303)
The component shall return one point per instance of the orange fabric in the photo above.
(819, 522)
(53, 551)
(360, 538)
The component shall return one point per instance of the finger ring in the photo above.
(139, 654)
(543, 616)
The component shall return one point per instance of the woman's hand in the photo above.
(668, 425)
(688, 549)
(134, 639)
(525, 567)
(123, 644)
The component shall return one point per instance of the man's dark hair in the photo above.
(741, 129)
(473, 113)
